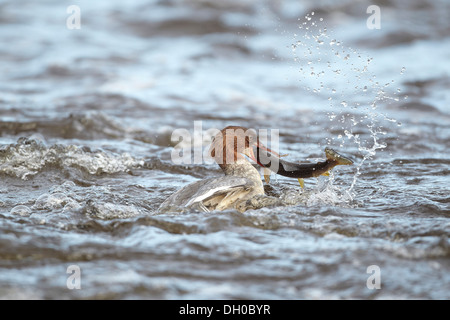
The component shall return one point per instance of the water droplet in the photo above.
(21, 210)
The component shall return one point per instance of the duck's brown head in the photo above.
(232, 143)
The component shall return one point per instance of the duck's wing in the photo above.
(220, 193)
(209, 194)
(181, 197)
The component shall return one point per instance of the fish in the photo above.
(297, 170)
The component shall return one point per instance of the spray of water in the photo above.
(342, 75)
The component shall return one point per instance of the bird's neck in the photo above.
(241, 168)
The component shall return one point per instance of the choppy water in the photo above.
(85, 148)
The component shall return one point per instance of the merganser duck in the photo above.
(241, 188)
(242, 181)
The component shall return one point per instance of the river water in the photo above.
(86, 151)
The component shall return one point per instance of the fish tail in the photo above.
(334, 156)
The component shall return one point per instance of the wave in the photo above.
(28, 157)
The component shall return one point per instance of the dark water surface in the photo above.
(86, 118)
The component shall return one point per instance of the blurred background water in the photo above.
(86, 117)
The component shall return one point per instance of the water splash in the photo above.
(325, 64)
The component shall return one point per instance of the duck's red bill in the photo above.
(263, 147)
